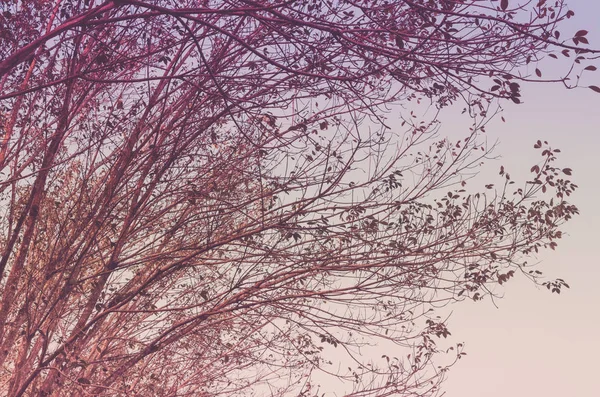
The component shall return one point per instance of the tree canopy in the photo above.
(239, 197)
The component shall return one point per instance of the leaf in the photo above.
(595, 88)
(504, 4)
(581, 33)
(399, 42)
(538, 72)
(515, 99)
(583, 40)
(567, 171)
(591, 68)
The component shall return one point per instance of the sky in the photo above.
(536, 343)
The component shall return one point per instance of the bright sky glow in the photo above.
(536, 343)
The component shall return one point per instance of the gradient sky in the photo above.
(536, 343)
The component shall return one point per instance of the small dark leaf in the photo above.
(399, 42)
(591, 68)
(595, 88)
(101, 58)
(567, 171)
(583, 40)
(581, 33)
(503, 4)
(538, 73)
(204, 295)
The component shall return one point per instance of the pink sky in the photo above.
(536, 343)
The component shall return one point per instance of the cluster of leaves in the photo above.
(202, 197)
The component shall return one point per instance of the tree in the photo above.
(209, 197)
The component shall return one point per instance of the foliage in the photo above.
(208, 197)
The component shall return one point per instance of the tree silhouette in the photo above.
(211, 197)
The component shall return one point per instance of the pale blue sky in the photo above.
(536, 343)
